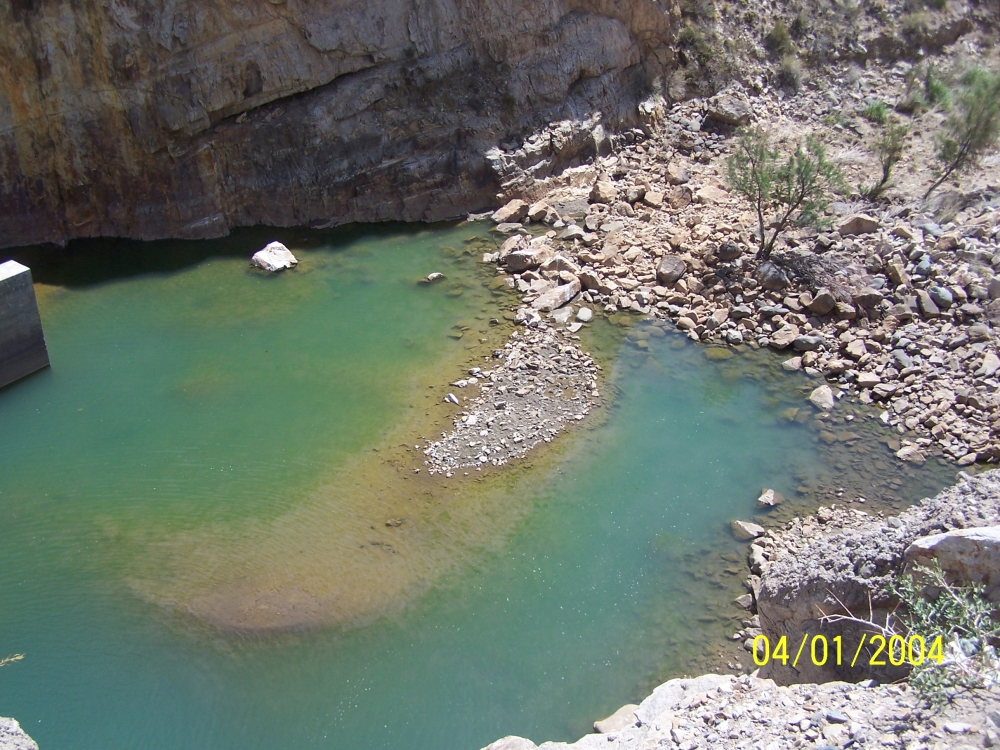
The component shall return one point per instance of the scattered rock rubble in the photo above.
(714, 711)
(542, 382)
(894, 305)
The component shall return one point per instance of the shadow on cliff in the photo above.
(85, 262)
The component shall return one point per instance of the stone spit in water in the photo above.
(541, 383)
(274, 257)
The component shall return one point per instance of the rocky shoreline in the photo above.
(718, 711)
(893, 305)
(815, 566)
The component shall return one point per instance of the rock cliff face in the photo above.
(184, 118)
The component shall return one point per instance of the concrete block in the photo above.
(22, 344)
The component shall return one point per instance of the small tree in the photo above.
(796, 189)
(889, 150)
(972, 128)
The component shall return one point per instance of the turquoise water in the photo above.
(205, 430)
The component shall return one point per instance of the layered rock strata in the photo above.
(179, 119)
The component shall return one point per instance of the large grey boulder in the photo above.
(274, 257)
(604, 191)
(728, 108)
(822, 398)
(670, 269)
(745, 530)
(771, 276)
(623, 717)
(965, 556)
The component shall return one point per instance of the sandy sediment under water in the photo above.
(217, 453)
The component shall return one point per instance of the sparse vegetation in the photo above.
(876, 112)
(790, 73)
(972, 129)
(779, 41)
(964, 618)
(925, 89)
(795, 189)
(833, 118)
(799, 26)
(888, 148)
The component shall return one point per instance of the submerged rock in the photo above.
(744, 530)
(769, 498)
(274, 257)
(822, 398)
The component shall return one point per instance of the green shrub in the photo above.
(790, 73)
(964, 618)
(888, 147)
(924, 89)
(876, 112)
(935, 89)
(795, 189)
(914, 24)
(778, 40)
(972, 129)
(799, 26)
(699, 10)
(833, 118)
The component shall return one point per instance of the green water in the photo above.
(205, 429)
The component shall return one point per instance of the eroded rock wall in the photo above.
(157, 118)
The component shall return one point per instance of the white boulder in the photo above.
(274, 257)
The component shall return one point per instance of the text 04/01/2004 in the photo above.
(820, 651)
